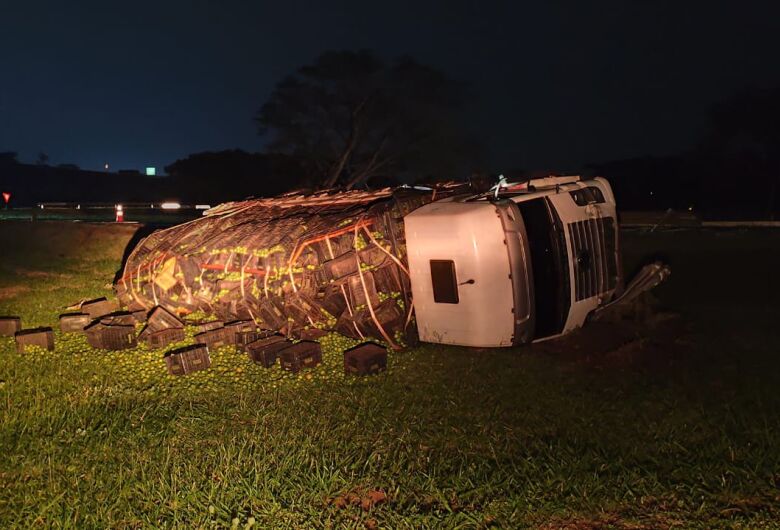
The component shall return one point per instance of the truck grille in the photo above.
(594, 255)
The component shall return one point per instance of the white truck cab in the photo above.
(528, 261)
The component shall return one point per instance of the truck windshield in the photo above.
(550, 266)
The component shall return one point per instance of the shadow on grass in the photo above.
(142, 233)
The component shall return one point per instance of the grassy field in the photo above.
(677, 428)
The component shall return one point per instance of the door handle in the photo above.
(469, 282)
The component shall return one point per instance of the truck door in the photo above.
(465, 277)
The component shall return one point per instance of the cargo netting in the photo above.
(332, 261)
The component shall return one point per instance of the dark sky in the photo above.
(556, 84)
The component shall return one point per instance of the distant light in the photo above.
(151, 171)
(651, 193)
(78, 207)
(120, 208)
(41, 205)
(202, 206)
(105, 166)
(6, 196)
(170, 206)
(120, 213)
(690, 208)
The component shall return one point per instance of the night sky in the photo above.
(556, 84)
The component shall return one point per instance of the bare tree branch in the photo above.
(351, 116)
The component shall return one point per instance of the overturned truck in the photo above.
(522, 262)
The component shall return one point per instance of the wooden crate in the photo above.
(264, 351)
(139, 315)
(164, 337)
(232, 329)
(9, 326)
(388, 313)
(365, 359)
(271, 313)
(74, 322)
(113, 337)
(312, 333)
(333, 300)
(208, 326)
(160, 318)
(188, 359)
(357, 294)
(215, 338)
(340, 266)
(346, 264)
(98, 307)
(120, 318)
(43, 337)
(304, 354)
(243, 338)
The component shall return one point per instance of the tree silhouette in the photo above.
(235, 173)
(8, 158)
(352, 116)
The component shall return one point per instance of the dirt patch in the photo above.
(604, 521)
(10, 292)
(362, 501)
(366, 499)
(642, 336)
(26, 273)
(742, 506)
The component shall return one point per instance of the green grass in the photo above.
(456, 438)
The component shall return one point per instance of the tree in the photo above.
(350, 116)
(8, 158)
(234, 173)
